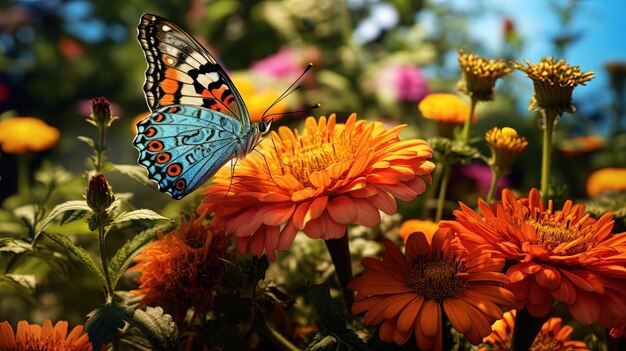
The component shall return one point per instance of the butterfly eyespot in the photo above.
(169, 60)
(180, 184)
(174, 109)
(163, 157)
(174, 169)
(155, 145)
(151, 132)
(159, 118)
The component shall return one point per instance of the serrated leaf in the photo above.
(135, 172)
(321, 342)
(74, 205)
(159, 328)
(104, 321)
(352, 340)
(72, 215)
(141, 214)
(14, 245)
(88, 141)
(124, 256)
(82, 255)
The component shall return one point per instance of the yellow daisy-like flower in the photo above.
(552, 336)
(257, 98)
(413, 226)
(506, 147)
(445, 108)
(606, 179)
(479, 75)
(19, 135)
(554, 83)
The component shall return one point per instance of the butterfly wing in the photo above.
(183, 146)
(181, 71)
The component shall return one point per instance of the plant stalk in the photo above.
(339, 250)
(23, 186)
(495, 176)
(549, 119)
(447, 170)
(468, 122)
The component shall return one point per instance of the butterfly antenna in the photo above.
(314, 107)
(288, 91)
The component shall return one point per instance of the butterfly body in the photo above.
(199, 121)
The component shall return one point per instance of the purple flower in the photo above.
(481, 175)
(404, 83)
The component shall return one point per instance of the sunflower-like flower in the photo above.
(445, 108)
(318, 181)
(35, 337)
(19, 135)
(563, 255)
(554, 83)
(181, 269)
(552, 336)
(406, 294)
(479, 75)
(506, 147)
(413, 226)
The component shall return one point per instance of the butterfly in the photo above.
(198, 119)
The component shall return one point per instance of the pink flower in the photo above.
(283, 64)
(404, 83)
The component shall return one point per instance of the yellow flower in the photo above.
(258, 99)
(21, 134)
(506, 147)
(479, 75)
(446, 108)
(606, 179)
(554, 83)
(140, 117)
(413, 226)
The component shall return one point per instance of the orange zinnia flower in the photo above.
(317, 181)
(35, 337)
(551, 336)
(413, 226)
(446, 108)
(19, 135)
(182, 269)
(407, 293)
(561, 255)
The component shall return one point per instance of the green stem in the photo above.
(105, 267)
(430, 192)
(23, 186)
(549, 118)
(492, 187)
(100, 149)
(339, 250)
(274, 337)
(447, 170)
(468, 122)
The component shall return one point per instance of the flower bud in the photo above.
(99, 194)
(101, 114)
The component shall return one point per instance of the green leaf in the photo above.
(74, 205)
(27, 214)
(22, 283)
(14, 245)
(321, 342)
(135, 172)
(80, 253)
(104, 322)
(87, 141)
(137, 215)
(159, 328)
(72, 215)
(124, 256)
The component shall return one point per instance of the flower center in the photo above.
(552, 232)
(36, 344)
(318, 154)
(435, 277)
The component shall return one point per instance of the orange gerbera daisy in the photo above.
(182, 269)
(35, 337)
(552, 336)
(406, 294)
(19, 135)
(606, 179)
(445, 108)
(317, 181)
(561, 255)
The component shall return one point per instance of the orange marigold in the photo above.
(317, 181)
(407, 293)
(19, 135)
(445, 108)
(182, 268)
(35, 337)
(562, 255)
(606, 179)
(552, 336)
